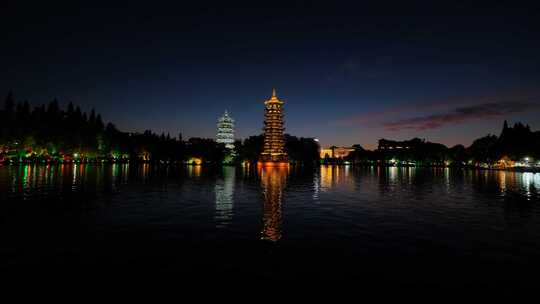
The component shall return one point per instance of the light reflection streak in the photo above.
(273, 182)
(224, 191)
(336, 176)
(316, 185)
(502, 182)
(526, 180)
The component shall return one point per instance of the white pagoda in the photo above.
(225, 131)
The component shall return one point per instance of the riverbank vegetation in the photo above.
(515, 147)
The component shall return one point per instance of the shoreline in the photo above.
(177, 163)
(513, 169)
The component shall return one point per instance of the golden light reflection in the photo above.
(332, 176)
(328, 176)
(145, 171)
(273, 182)
(194, 171)
(502, 181)
(272, 164)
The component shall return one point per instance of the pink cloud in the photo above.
(460, 115)
(456, 110)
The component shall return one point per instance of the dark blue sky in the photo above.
(348, 73)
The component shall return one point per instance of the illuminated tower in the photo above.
(225, 131)
(274, 141)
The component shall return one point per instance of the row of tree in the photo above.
(515, 144)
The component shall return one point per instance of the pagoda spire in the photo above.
(274, 92)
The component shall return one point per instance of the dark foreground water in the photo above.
(442, 228)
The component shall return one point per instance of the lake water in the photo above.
(443, 227)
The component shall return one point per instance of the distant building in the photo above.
(336, 152)
(225, 131)
(385, 144)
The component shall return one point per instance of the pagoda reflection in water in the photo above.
(224, 191)
(273, 182)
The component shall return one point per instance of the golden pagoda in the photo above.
(274, 141)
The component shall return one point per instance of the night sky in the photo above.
(348, 73)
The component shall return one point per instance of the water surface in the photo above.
(443, 227)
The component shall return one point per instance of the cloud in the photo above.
(436, 113)
(461, 115)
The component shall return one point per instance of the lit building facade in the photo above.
(336, 152)
(274, 141)
(225, 131)
(385, 144)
